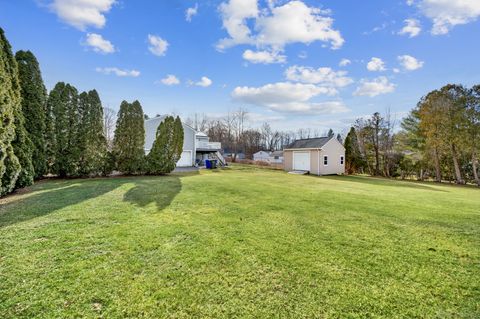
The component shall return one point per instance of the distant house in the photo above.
(276, 157)
(261, 156)
(318, 156)
(269, 157)
(196, 145)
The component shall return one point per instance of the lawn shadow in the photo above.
(378, 181)
(49, 196)
(160, 190)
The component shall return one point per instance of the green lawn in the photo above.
(240, 242)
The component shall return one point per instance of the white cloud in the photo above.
(296, 22)
(344, 62)
(158, 46)
(376, 64)
(265, 57)
(410, 2)
(375, 87)
(277, 26)
(234, 14)
(191, 12)
(170, 80)
(324, 76)
(410, 63)
(289, 97)
(412, 28)
(204, 82)
(445, 14)
(118, 72)
(99, 44)
(82, 13)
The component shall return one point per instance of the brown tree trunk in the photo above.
(438, 175)
(458, 173)
(377, 161)
(421, 174)
(475, 172)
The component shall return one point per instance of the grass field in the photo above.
(241, 242)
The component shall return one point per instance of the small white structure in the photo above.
(269, 157)
(319, 156)
(276, 157)
(261, 156)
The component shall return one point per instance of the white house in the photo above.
(261, 156)
(269, 157)
(196, 145)
(318, 156)
(276, 157)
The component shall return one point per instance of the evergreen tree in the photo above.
(353, 157)
(23, 149)
(9, 107)
(167, 147)
(91, 137)
(330, 133)
(34, 98)
(179, 136)
(129, 140)
(63, 103)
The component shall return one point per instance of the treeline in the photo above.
(439, 139)
(235, 132)
(63, 133)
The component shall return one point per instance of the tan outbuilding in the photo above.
(318, 156)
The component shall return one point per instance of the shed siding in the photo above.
(288, 160)
(334, 150)
(314, 162)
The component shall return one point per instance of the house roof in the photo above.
(317, 142)
(277, 153)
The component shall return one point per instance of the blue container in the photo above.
(208, 164)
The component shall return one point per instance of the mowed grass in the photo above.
(240, 242)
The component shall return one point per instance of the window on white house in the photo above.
(341, 160)
(325, 160)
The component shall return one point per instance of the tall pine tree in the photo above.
(9, 107)
(34, 99)
(179, 136)
(63, 105)
(91, 134)
(129, 140)
(353, 158)
(167, 147)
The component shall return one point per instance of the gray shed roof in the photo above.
(316, 142)
(277, 153)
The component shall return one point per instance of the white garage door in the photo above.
(301, 161)
(185, 159)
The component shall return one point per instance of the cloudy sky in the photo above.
(295, 64)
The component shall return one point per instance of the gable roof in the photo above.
(317, 142)
(277, 153)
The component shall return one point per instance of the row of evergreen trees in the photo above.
(62, 133)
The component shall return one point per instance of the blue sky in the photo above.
(281, 60)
